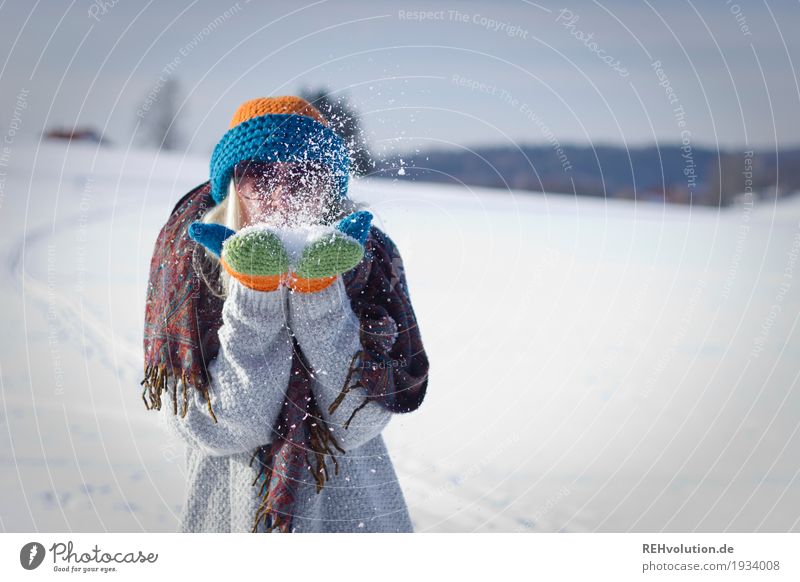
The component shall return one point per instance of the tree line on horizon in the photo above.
(662, 172)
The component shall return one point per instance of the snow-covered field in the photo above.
(595, 365)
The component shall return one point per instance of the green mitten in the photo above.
(255, 252)
(329, 256)
(256, 258)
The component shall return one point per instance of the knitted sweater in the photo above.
(248, 381)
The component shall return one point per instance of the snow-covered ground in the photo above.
(595, 365)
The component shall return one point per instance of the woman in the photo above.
(279, 324)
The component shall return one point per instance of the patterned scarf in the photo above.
(183, 315)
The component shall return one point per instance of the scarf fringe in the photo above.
(322, 442)
(157, 380)
(265, 511)
(355, 364)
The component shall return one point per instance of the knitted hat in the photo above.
(277, 129)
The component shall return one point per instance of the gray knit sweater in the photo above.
(248, 383)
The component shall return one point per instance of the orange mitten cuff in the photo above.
(302, 285)
(257, 282)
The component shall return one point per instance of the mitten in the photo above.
(253, 256)
(332, 254)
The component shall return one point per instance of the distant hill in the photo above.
(665, 172)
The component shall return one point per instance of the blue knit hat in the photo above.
(278, 129)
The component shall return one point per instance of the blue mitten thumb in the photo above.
(210, 235)
(356, 225)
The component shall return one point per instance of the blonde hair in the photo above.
(228, 213)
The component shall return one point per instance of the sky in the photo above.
(421, 74)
